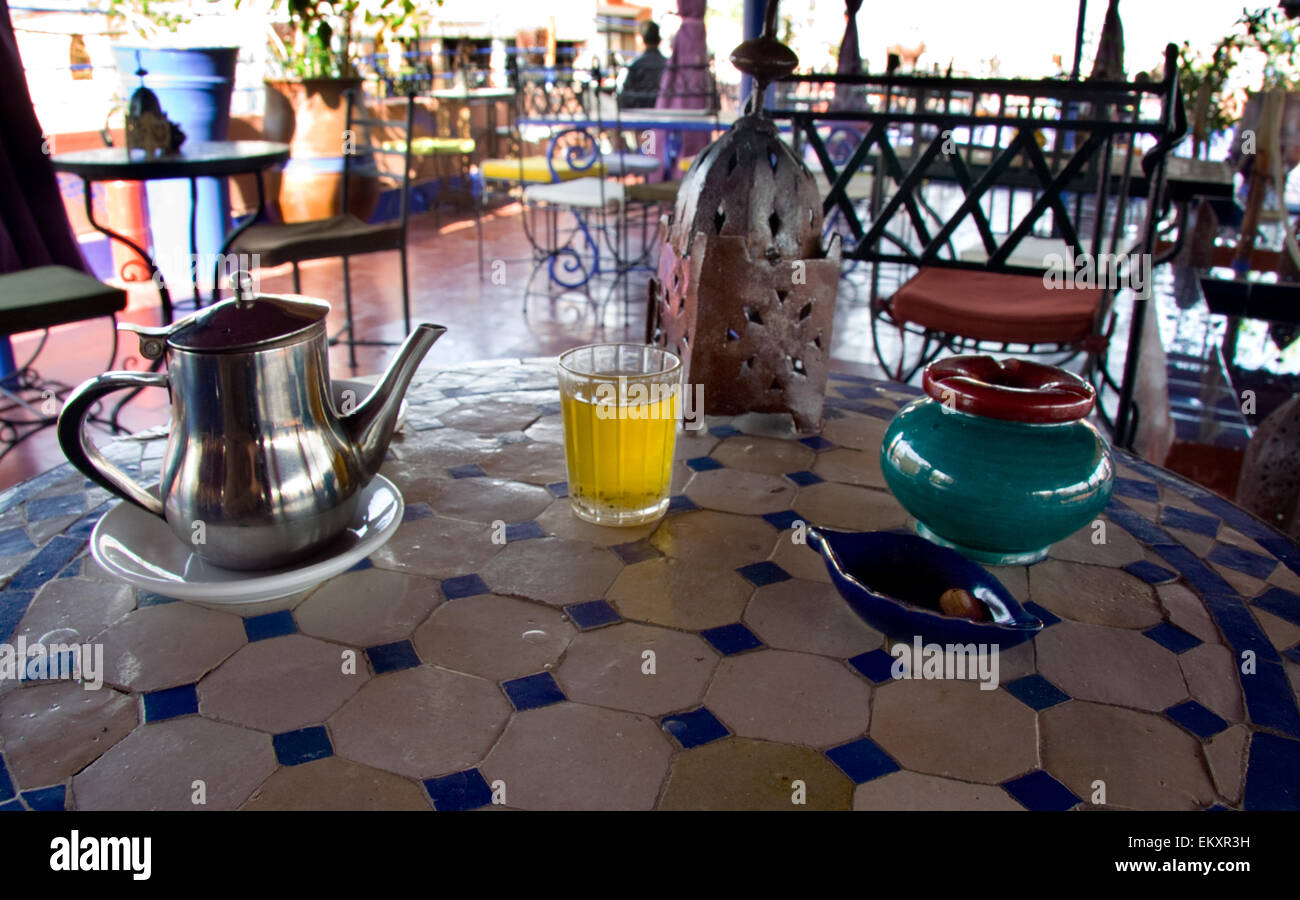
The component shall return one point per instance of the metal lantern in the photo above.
(147, 128)
(744, 293)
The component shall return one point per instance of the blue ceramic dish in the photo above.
(894, 582)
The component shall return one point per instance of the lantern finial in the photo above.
(764, 58)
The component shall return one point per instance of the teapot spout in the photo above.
(371, 425)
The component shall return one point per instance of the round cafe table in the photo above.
(194, 160)
(507, 652)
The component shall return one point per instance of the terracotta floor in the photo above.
(485, 318)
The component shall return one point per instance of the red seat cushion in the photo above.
(991, 306)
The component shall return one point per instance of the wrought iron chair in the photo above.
(1070, 146)
(344, 235)
(572, 180)
(37, 300)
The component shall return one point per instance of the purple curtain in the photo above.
(849, 61)
(34, 226)
(687, 82)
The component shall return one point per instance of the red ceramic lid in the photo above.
(1014, 390)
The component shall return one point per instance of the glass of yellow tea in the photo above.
(620, 404)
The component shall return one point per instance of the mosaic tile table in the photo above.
(518, 666)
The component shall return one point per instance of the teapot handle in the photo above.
(83, 454)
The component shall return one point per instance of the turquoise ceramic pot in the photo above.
(997, 462)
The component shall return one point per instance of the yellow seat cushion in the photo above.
(432, 146)
(536, 170)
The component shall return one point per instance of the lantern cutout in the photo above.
(147, 128)
(744, 293)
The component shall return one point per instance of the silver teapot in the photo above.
(261, 470)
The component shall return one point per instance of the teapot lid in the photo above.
(249, 322)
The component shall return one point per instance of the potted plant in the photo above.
(1259, 54)
(314, 52)
(1273, 38)
(193, 83)
(1211, 106)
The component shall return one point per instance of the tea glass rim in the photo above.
(600, 376)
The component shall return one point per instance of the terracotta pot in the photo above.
(313, 189)
(128, 215)
(310, 115)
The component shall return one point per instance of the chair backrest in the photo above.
(549, 91)
(1073, 145)
(357, 151)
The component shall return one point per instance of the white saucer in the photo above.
(139, 548)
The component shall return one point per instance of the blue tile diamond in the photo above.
(763, 573)
(459, 792)
(1202, 577)
(1173, 517)
(1243, 560)
(523, 531)
(1136, 524)
(293, 748)
(533, 691)
(6, 785)
(1280, 603)
(393, 657)
(783, 520)
(47, 799)
(636, 551)
(1138, 490)
(692, 729)
(862, 760)
(681, 503)
(1196, 718)
(45, 564)
(1040, 791)
(463, 586)
(276, 624)
(49, 507)
(171, 702)
(592, 614)
(1172, 638)
(731, 639)
(1272, 774)
(857, 392)
(1150, 572)
(14, 541)
(469, 470)
(1036, 692)
(876, 664)
(703, 464)
(804, 478)
(414, 512)
(13, 606)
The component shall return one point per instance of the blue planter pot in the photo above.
(193, 85)
(980, 479)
